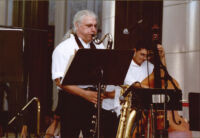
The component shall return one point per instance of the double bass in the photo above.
(160, 78)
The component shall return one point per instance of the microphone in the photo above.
(127, 31)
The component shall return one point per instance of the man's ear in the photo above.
(76, 25)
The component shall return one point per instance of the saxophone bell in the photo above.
(128, 115)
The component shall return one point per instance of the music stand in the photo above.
(98, 67)
(157, 97)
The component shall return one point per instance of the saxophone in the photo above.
(127, 117)
(95, 117)
(109, 40)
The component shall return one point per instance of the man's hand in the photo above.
(161, 50)
(90, 96)
(58, 82)
(161, 54)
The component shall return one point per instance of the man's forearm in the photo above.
(89, 95)
(73, 89)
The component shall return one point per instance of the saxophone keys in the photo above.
(123, 119)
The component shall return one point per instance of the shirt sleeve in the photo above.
(60, 61)
(117, 101)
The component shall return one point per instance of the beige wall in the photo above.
(2, 12)
(181, 40)
(6, 9)
(60, 17)
(108, 18)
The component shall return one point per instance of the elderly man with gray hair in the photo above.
(76, 102)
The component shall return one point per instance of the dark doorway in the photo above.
(134, 20)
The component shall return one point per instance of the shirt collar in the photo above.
(83, 42)
(85, 45)
(134, 64)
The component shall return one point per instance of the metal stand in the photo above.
(99, 103)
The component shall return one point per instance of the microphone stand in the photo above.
(159, 65)
(100, 73)
(157, 84)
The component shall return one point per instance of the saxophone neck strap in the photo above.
(80, 45)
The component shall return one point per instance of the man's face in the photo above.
(140, 56)
(87, 28)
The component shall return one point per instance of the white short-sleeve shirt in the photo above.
(138, 72)
(135, 73)
(61, 57)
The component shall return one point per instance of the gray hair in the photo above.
(67, 35)
(79, 16)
